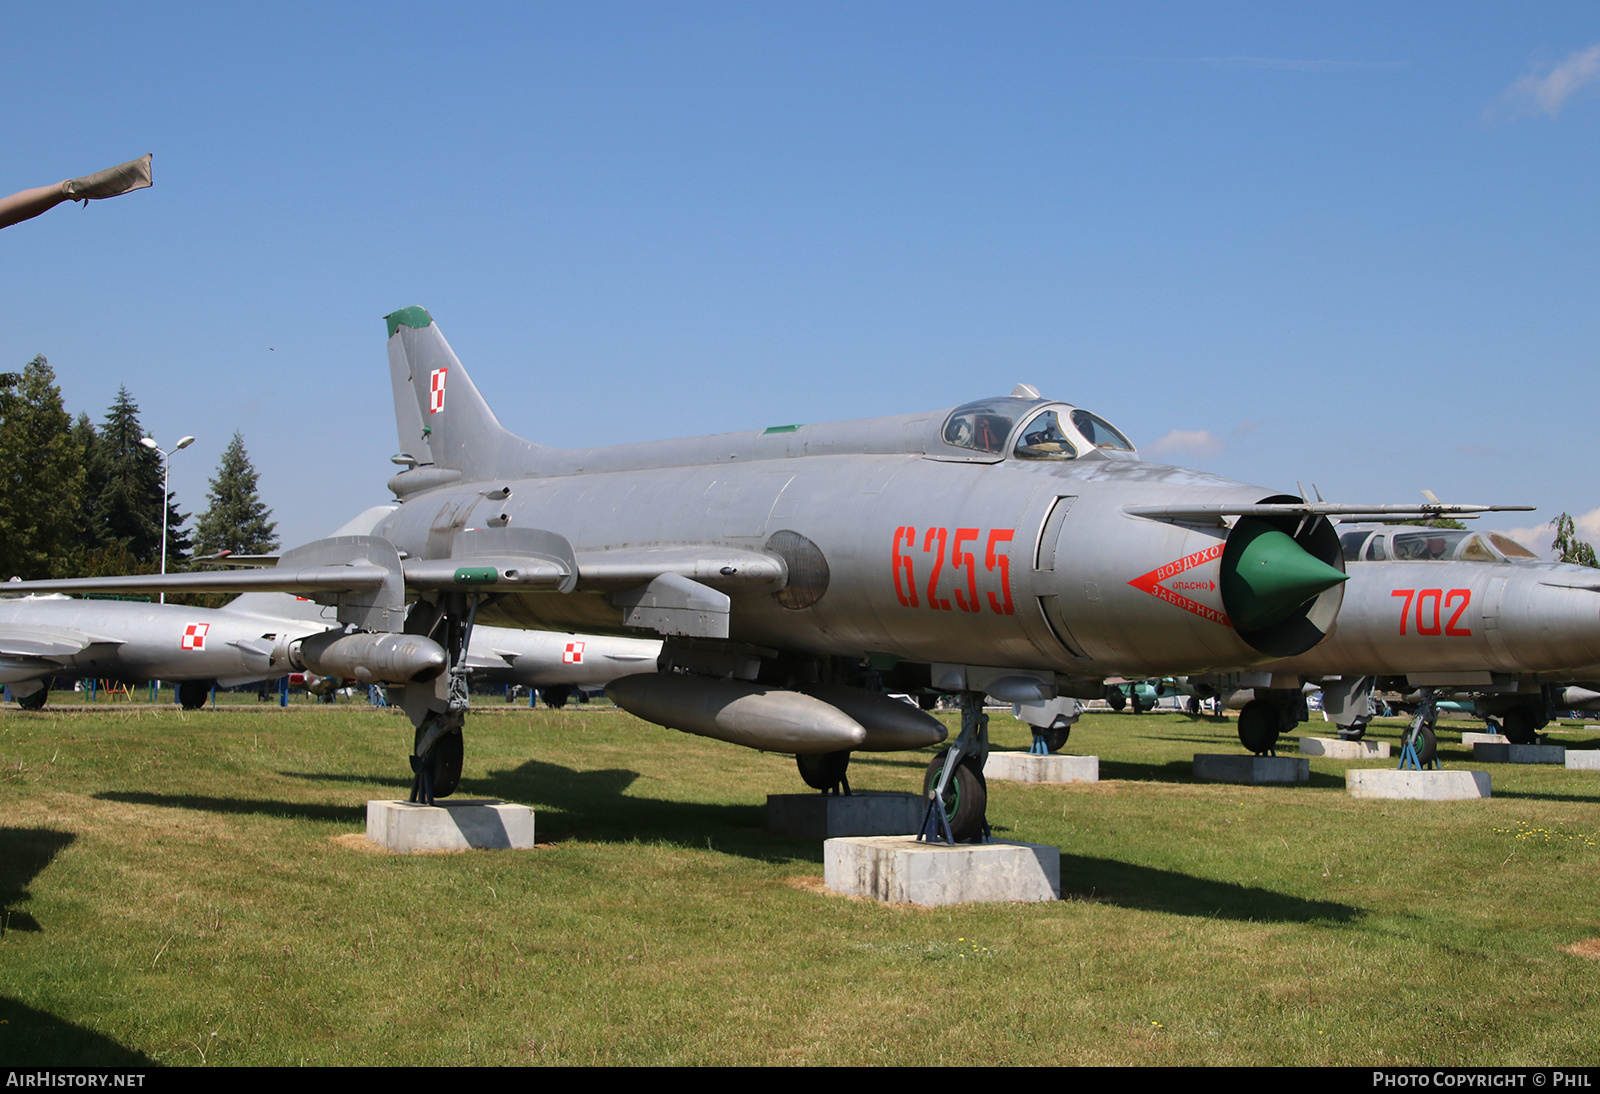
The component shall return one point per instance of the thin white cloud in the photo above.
(1547, 89)
(1198, 442)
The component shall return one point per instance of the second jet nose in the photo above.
(1268, 577)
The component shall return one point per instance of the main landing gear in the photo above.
(1272, 713)
(826, 771)
(438, 708)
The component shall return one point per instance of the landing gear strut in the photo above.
(958, 797)
(438, 749)
(1419, 748)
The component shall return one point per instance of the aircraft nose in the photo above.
(1272, 577)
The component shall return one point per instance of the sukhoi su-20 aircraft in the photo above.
(798, 574)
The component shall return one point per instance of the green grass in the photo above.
(186, 889)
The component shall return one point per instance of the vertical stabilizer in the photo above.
(442, 419)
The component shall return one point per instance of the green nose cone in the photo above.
(1272, 577)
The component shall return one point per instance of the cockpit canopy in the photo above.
(1410, 544)
(1051, 431)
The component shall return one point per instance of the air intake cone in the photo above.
(1271, 578)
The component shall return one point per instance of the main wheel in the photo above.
(192, 694)
(1354, 731)
(1194, 704)
(34, 701)
(1115, 697)
(448, 754)
(1055, 739)
(1258, 727)
(555, 697)
(966, 799)
(1518, 726)
(823, 770)
(1133, 701)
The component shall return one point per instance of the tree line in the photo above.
(81, 500)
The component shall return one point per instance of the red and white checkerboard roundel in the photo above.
(436, 390)
(194, 636)
(573, 654)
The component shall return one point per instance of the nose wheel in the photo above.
(966, 796)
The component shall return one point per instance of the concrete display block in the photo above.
(1230, 767)
(1519, 754)
(1428, 786)
(1025, 767)
(1587, 759)
(825, 816)
(1337, 748)
(483, 824)
(899, 870)
(1471, 739)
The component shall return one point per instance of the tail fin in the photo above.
(442, 419)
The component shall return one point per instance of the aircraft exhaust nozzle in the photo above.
(891, 725)
(370, 658)
(742, 713)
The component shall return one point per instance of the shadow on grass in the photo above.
(342, 814)
(1182, 771)
(859, 759)
(594, 806)
(1545, 796)
(32, 1038)
(1106, 881)
(24, 853)
(359, 780)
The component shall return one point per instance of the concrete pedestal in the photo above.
(1585, 760)
(1428, 786)
(1471, 739)
(1230, 767)
(1337, 748)
(1519, 754)
(472, 824)
(826, 816)
(899, 870)
(1025, 767)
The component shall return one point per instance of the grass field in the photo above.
(191, 889)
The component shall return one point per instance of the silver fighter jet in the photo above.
(1456, 611)
(1015, 545)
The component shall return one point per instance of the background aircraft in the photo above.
(253, 638)
(1015, 545)
(1457, 612)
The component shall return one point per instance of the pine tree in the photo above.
(1568, 547)
(129, 504)
(41, 475)
(235, 519)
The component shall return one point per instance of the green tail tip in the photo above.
(407, 317)
(1274, 575)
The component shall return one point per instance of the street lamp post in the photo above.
(166, 470)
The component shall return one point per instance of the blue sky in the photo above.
(1346, 244)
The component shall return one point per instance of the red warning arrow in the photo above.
(1151, 583)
